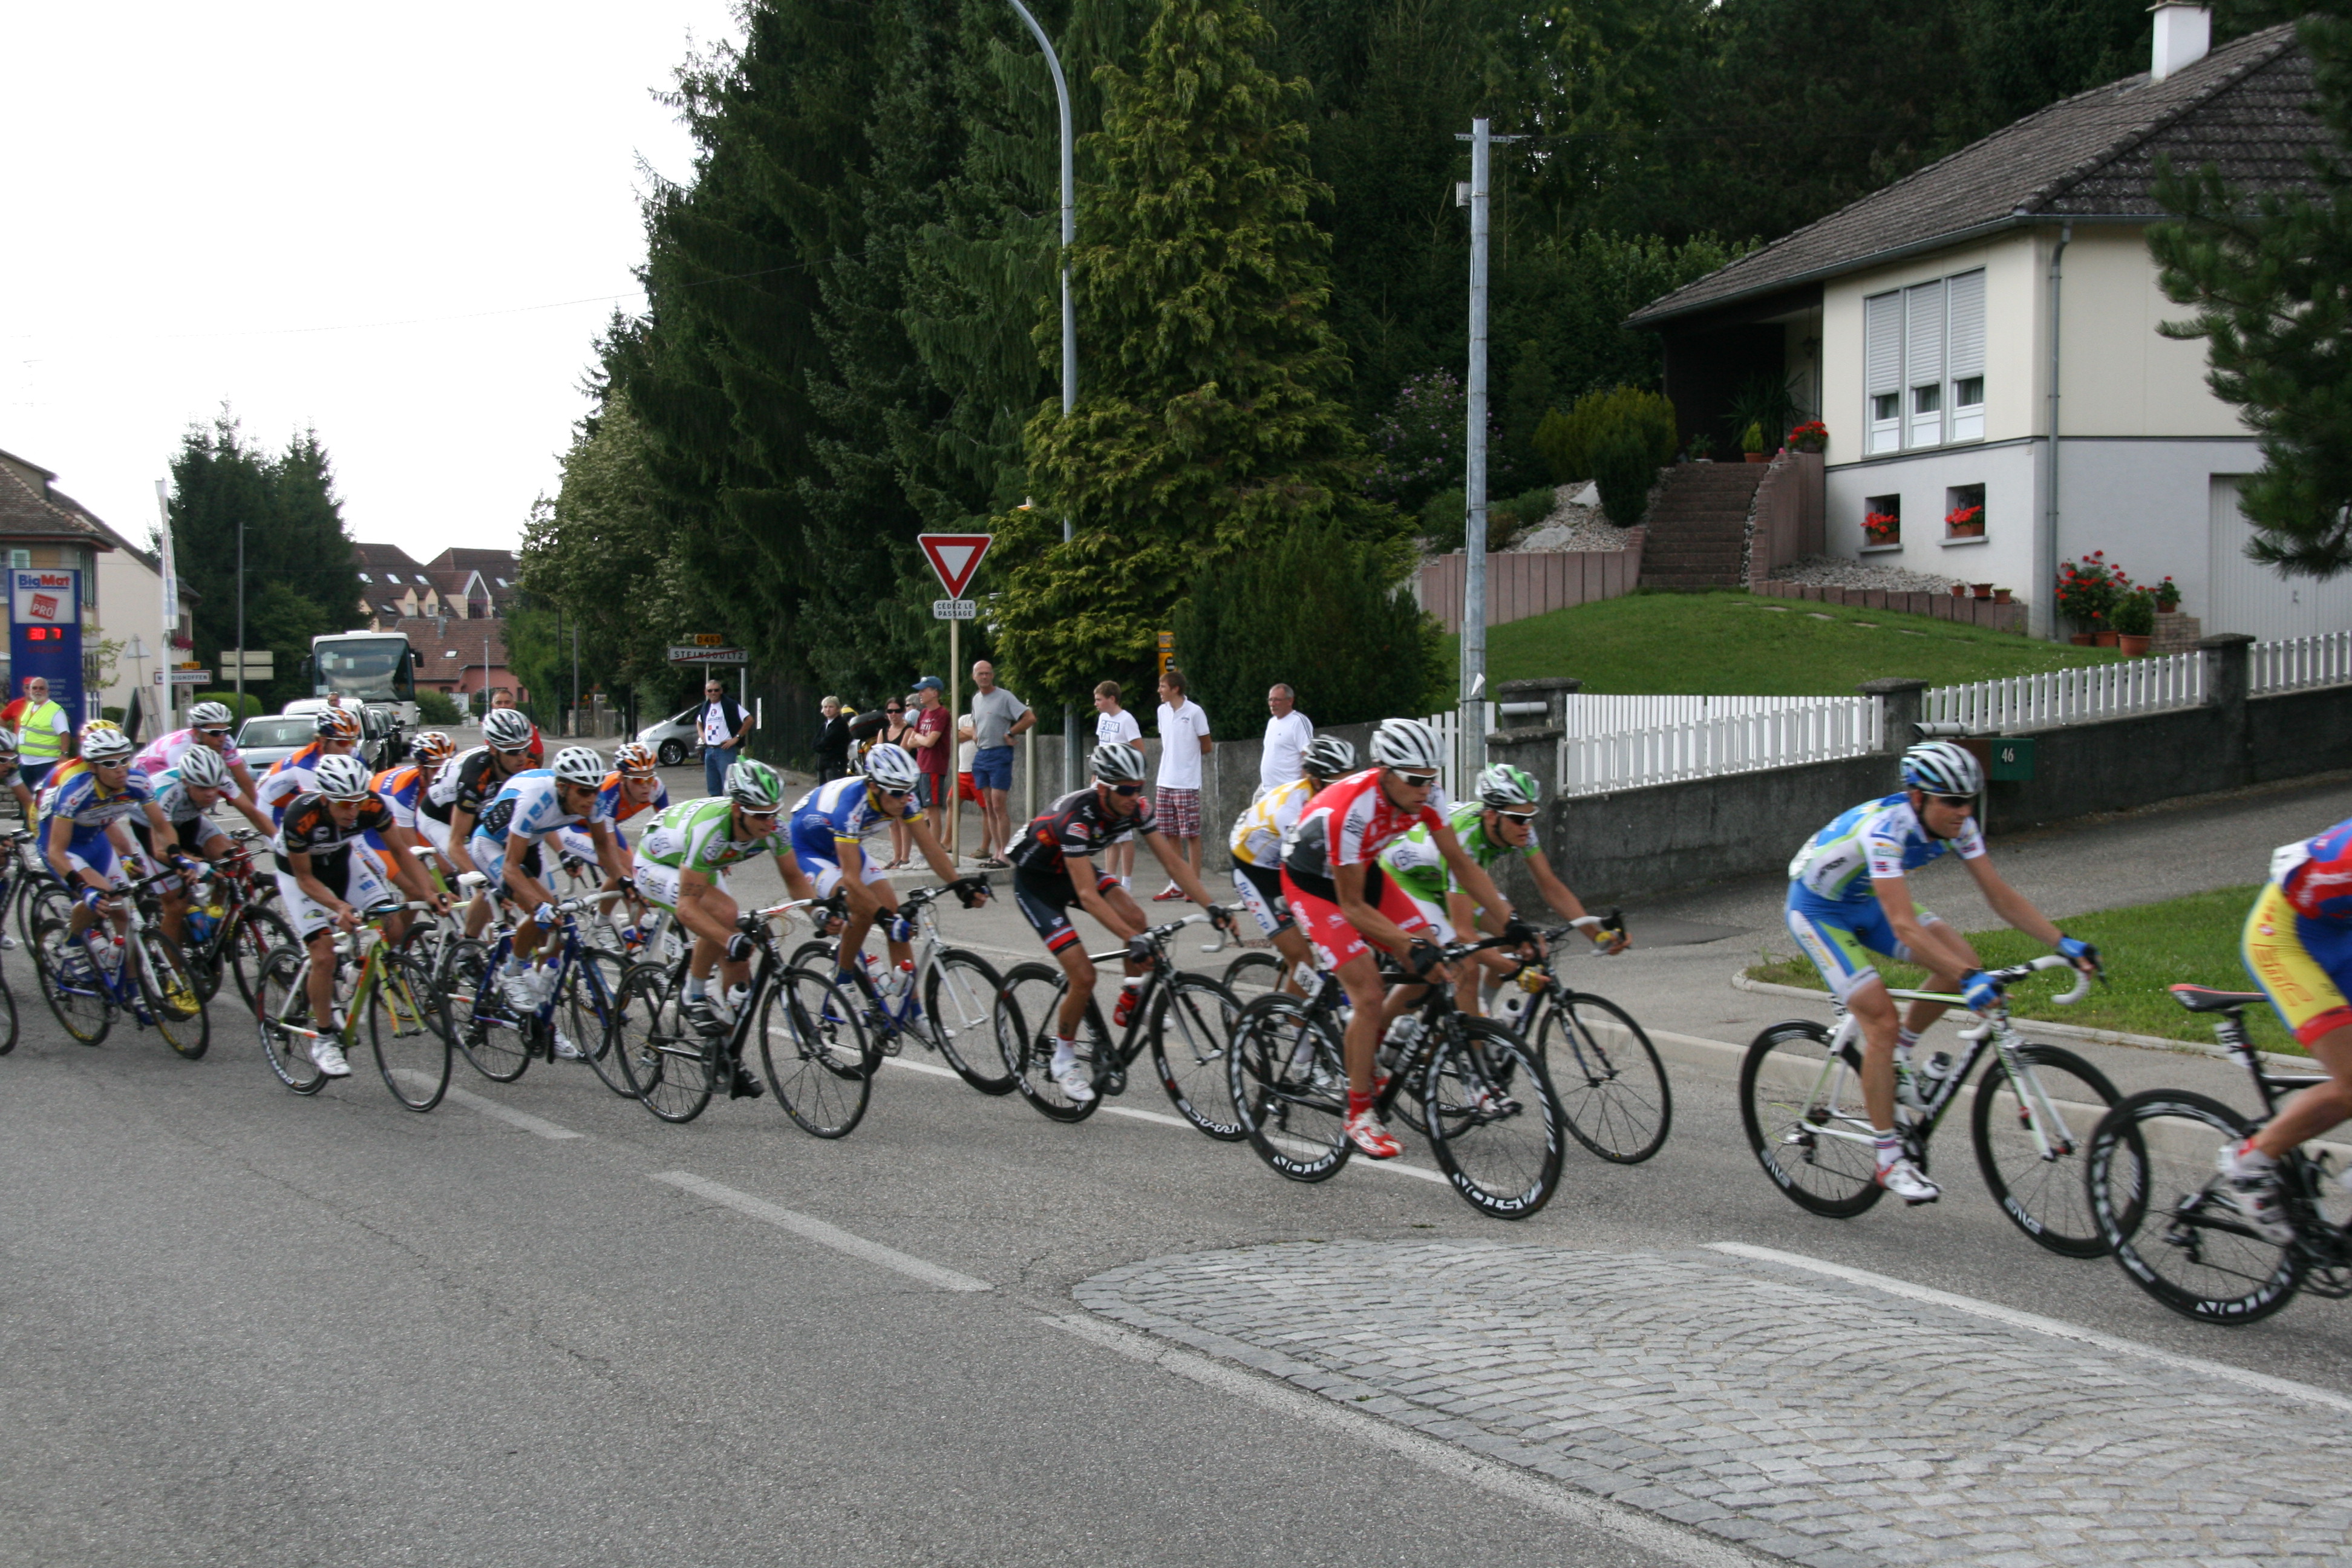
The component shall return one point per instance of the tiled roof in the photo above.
(2092, 156)
(26, 513)
(427, 636)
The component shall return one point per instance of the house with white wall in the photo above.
(1985, 332)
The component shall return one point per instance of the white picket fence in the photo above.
(2296, 663)
(1596, 713)
(1805, 730)
(2071, 696)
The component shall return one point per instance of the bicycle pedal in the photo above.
(1112, 1082)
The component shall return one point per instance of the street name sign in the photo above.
(694, 653)
(955, 610)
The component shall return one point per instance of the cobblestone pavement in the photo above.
(1832, 1426)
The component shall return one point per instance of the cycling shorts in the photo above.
(2303, 965)
(96, 854)
(1840, 938)
(188, 836)
(489, 857)
(1337, 940)
(575, 842)
(658, 884)
(825, 871)
(1260, 888)
(436, 832)
(349, 877)
(1044, 903)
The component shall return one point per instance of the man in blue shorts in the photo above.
(1848, 900)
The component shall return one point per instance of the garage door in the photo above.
(2246, 597)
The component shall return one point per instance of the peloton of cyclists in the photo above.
(1255, 845)
(209, 727)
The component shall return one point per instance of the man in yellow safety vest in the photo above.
(44, 734)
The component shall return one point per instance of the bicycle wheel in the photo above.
(256, 931)
(669, 1064)
(1493, 1121)
(410, 1053)
(69, 981)
(1803, 1109)
(2056, 1101)
(8, 1007)
(817, 954)
(170, 991)
(1191, 1032)
(479, 1021)
(1253, 975)
(587, 1012)
(281, 1006)
(1608, 1076)
(959, 1004)
(1027, 1005)
(814, 1053)
(1290, 1087)
(2150, 1174)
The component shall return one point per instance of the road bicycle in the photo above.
(232, 922)
(813, 1051)
(954, 1016)
(2151, 1180)
(410, 1045)
(1187, 1020)
(1800, 1100)
(1471, 1086)
(502, 1039)
(87, 977)
(1612, 1085)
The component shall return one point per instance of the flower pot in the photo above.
(1983, 590)
(2133, 647)
(2000, 596)
(2105, 640)
(1968, 531)
(1757, 457)
(2084, 639)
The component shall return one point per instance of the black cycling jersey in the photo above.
(1077, 824)
(309, 828)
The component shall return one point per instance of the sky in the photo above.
(402, 228)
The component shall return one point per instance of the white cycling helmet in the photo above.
(205, 715)
(892, 767)
(754, 785)
(1941, 768)
(1407, 743)
(1116, 762)
(203, 767)
(107, 745)
(579, 765)
(1505, 787)
(507, 729)
(7, 741)
(341, 778)
(1328, 756)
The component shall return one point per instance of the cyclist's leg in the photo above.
(314, 925)
(2304, 966)
(1260, 889)
(1840, 939)
(1044, 902)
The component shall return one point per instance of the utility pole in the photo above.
(1069, 336)
(575, 679)
(240, 618)
(1474, 478)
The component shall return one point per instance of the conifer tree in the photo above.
(1207, 421)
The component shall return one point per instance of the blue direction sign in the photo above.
(45, 634)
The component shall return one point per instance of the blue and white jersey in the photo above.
(530, 808)
(839, 812)
(1878, 838)
(90, 806)
(172, 797)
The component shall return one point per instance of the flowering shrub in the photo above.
(1418, 444)
(2089, 591)
(2168, 595)
(1812, 435)
(1965, 520)
(1882, 528)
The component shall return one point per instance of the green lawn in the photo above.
(2147, 948)
(1736, 645)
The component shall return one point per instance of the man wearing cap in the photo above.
(724, 724)
(934, 753)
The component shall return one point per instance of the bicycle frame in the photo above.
(567, 959)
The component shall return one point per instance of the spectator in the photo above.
(899, 729)
(501, 698)
(724, 725)
(1184, 740)
(997, 716)
(44, 734)
(1286, 735)
(967, 746)
(1113, 723)
(832, 742)
(934, 751)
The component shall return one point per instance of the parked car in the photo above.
(383, 742)
(270, 738)
(675, 738)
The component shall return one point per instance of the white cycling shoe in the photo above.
(328, 1057)
(1909, 1182)
(565, 1052)
(2252, 1194)
(1073, 1082)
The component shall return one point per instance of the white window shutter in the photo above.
(1883, 328)
(1924, 303)
(1967, 307)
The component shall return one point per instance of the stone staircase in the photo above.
(1696, 530)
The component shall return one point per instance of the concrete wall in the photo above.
(2004, 555)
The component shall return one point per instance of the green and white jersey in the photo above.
(1414, 862)
(693, 836)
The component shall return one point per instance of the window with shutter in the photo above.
(1883, 356)
(1967, 306)
(1923, 368)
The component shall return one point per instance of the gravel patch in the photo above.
(1575, 522)
(1838, 572)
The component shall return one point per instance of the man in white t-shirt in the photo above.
(1183, 741)
(1286, 735)
(1115, 723)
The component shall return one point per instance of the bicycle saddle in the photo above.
(2205, 999)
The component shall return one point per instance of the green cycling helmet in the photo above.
(1507, 788)
(755, 786)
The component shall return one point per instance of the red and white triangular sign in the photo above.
(955, 557)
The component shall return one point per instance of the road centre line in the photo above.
(2052, 1325)
(1646, 1530)
(823, 1234)
(493, 1109)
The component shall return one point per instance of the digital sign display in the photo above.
(45, 634)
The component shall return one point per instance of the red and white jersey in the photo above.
(1348, 823)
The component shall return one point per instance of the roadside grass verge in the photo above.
(1740, 645)
(2147, 947)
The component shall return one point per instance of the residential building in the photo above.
(1984, 334)
(452, 609)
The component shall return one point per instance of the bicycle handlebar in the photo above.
(2016, 972)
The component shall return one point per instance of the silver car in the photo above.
(675, 738)
(270, 738)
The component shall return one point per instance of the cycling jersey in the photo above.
(1414, 860)
(841, 811)
(465, 782)
(696, 835)
(163, 753)
(613, 805)
(74, 795)
(400, 788)
(309, 827)
(1256, 839)
(1077, 824)
(1879, 838)
(530, 806)
(1348, 823)
(292, 775)
(2315, 875)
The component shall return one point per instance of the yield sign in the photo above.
(955, 557)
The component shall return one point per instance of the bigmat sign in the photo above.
(45, 634)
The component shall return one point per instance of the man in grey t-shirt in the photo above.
(996, 717)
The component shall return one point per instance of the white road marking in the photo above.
(1998, 1313)
(494, 1111)
(1646, 1530)
(823, 1234)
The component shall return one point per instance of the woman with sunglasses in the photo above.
(209, 725)
(897, 730)
(1848, 900)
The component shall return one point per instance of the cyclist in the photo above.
(829, 826)
(630, 789)
(403, 786)
(530, 809)
(336, 731)
(1053, 868)
(209, 725)
(681, 867)
(1848, 898)
(85, 813)
(324, 883)
(2297, 945)
(1500, 822)
(1255, 845)
(185, 796)
(1331, 872)
(461, 788)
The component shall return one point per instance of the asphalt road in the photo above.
(238, 1326)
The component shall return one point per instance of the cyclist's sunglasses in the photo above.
(1418, 781)
(208, 729)
(892, 793)
(750, 816)
(1127, 789)
(1953, 799)
(502, 750)
(1521, 818)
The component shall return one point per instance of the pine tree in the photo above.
(2272, 285)
(1206, 422)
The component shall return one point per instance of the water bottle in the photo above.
(109, 955)
(1128, 992)
(201, 924)
(1511, 1007)
(1398, 1043)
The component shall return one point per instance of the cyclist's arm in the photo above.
(608, 850)
(24, 801)
(1462, 911)
(163, 830)
(1083, 877)
(1375, 927)
(319, 893)
(2015, 907)
(461, 831)
(1930, 945)
(1180, 871)
(935, 854)
(796, 881)
(1565, 904)
(55, 845)
(1468, 875)
(248, 791)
